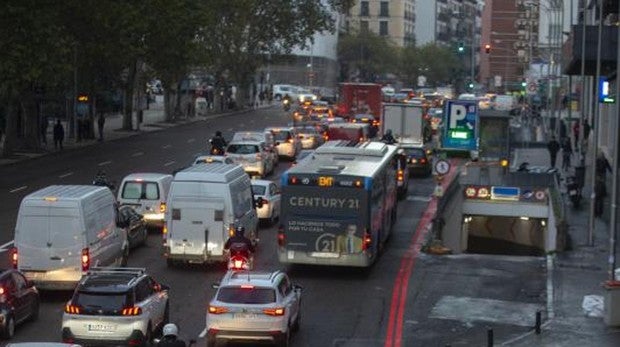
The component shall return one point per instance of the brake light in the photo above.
(281, 236)
(14, 257)
(422, 160)
(72, 309)
(162, 207)
(278, 311)
(85, 259)
(400, 176)
(367, 241)
(238, 264)
(217, 309)
(247, 286)
(132, 311)
(376, 123)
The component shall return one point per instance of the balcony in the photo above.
(572, 50)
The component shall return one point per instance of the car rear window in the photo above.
(140, 190)
(242, 149)
(416, 152)
(101, 302)
(258, 190)
(240, 295)
(281, 135)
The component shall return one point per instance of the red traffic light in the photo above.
(487, 48)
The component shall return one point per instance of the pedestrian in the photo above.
(59, 135)
(44, 125)
(586, 129)
(600, 192)
(576, 131)
(100, 124)
(553, 146)
(261, 96)
(567, 151)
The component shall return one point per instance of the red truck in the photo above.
(359, 98)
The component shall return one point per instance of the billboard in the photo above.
(460, 125)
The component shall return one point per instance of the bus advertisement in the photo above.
(339, 208)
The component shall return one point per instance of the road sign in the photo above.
(442, 167)
(532, 87)
(461, 125)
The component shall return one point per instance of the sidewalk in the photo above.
(574, 274)
(153, 120)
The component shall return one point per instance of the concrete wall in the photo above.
(452, 234)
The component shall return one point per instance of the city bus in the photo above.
(339, 205)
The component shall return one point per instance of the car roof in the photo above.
(261, 182)
(214, 159)
(279, 128)
(146, 176)
(256, 143)
(110, 280)
(257, 278)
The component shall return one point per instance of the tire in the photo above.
(125, 256)
(9, 331)
(285, 339)
(34, 315)
(166, 315)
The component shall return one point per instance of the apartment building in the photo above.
(394, 19)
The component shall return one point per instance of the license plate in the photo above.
(324, 255)
(102, 327)
(35, 275)
(245, 315)
(183, 244)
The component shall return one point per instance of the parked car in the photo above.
(136, 229)
(254, 306)
(270, 210)
(19, 301)
(112, 306)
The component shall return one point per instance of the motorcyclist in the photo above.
(239, 239)
(218, 142)
(388, 137)
(101, 179)
(286, 101)
(169, 338)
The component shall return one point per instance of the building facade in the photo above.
(394, 19)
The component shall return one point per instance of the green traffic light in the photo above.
(471, 85)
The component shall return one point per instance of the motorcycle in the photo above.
(286, 104)
(215, 150)
(103, 182)
(240, 258)
(574, 191)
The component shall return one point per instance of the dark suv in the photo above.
(113, 306)
(19, 301)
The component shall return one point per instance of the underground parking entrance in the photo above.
(504, 235)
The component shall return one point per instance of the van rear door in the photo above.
(143, 196)
(197, 226)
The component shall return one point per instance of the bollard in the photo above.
(538, 321)
(490, 337)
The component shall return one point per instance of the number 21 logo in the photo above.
(326, 243)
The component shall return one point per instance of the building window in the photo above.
(364, 26)
(383, 28)
(364, 9)
(384, 10)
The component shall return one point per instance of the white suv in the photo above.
(287, 141)
(253, 156)
(115, 306)
(254, 306)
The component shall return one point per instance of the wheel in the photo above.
(166, 315)
(34, 314)
(125, 257)
(9, 329)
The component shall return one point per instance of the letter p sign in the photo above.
(457, 113)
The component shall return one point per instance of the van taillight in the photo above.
(278, 311)
(85, 259)
(72, 309)
(162, 207)
(281, 236)
(14, 257)
(400, 176)
(132, 311)
(367, 241)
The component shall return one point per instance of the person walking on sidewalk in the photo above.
(553, 146)
(100, 124)
(44, 125)
(59, 135)
(567, 151)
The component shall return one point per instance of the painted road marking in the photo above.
(4, 246)
(104, 163)
(17, 189)
(166, 146)
(419, 198)
(65, 175)
(191, 140)
(229, 129)
(203, 333)
(169, 163)
(394, 334)
(137, 154)
(466, 309)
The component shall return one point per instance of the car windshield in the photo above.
(415, 152)
(307, 131)
(281, 135)
(101, 302)
(242, 149)
(250, 295)
(140, 190)
(258, 190)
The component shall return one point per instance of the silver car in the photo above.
(288, 144)
(254, 306)
(112, 306)
(269, 192)
(252, 156)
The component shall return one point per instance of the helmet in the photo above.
(170, 329)
(218, 133)
(239, 231)
(388, 132)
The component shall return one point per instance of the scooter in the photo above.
(215, 150)
(286, 104)
(240, 258)
(574, 191)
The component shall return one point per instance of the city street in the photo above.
(341, 306)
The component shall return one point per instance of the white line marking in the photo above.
(550, 297)
(166, 146)
(203, 333)
(190, 140)
(169, 163)
(229, 129)
(104, 163)
(6, 245)
(65, 175)
(419, 198)
(18, 189)
(137, 154)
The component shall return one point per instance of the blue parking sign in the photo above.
(460, 125)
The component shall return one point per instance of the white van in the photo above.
(62, 231)
(146, 193)
(205, 204)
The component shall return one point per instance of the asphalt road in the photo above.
(341, 306)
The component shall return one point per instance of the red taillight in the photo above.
(400, 176)
(376, 123)
(162, 207)
(278, 311)
(422, 160)
(217, 309)
(367, 241)
(72, 309)
(132, 311)
(281, 236)
(290, 141)
(85, 259)
(14, 257)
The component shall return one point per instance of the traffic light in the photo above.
(82, 98)
(461, 47)
(471, 85)
(487, 48)
(523, 83)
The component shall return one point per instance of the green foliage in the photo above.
(367, 54)
(435, 62)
